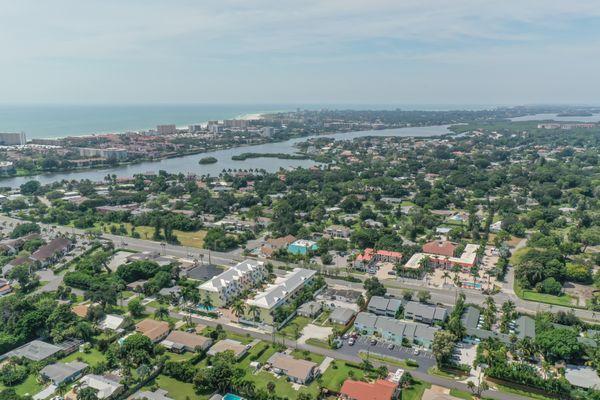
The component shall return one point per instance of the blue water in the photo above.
(230, 396)
(51, 121)
(207, 309)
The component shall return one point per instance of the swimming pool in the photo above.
(231, 396)
(206, 309)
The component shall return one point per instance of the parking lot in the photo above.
(363, 343)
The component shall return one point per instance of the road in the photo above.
(395, 287)
(420, 373)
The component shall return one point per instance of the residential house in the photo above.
(154, 330)
(302, 247)
(337, 232)
(279, 293)
(158, 394)
(297, 371)
(368, 259)
(59, 372)
(237, 348)
(395, 331)
(5, 287)
(37, 350)
(179, 342)
(112, 322)
(425, 313)
(378, 390)
(107, 386)
(383, 306)
(310, 309)
(52, 251)
(341, 316)
(229, 284)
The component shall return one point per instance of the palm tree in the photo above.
(238, 308)
(254, 311)
(446, 275)
(161, 312)
(207, 303)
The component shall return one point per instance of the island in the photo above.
(282, 156)
(207, 160)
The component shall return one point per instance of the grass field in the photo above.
(190, 239)
(177, 390)
(298, 323)
(415, 392)
(92, 358)
(388, 360)
(460, 394)
(563, 300)
(529, 395)
(338, 372)
(29, 386)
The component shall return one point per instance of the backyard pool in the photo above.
(231, 396)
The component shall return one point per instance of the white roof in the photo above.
(232, 274)
(282, 287)
(112, 322)
(103, 385)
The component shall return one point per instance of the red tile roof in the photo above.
(379, 390)
(440, 247)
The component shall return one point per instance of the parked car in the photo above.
(351, 342)
(391, 346)
(345, 336)
(373, 341)
(416, 352)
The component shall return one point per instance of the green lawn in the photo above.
(180, 357)
(445, 373)
(460, 394)
(563, 300)
(177, 390)
(388, 360)
(317, 343)
(29, 386)
(529, 395)
(415, 392)
(301, 355)
(188, 239)
(283, 388)
(295, 325)
(338, 372)
(92, 358)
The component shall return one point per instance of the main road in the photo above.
(395, 287)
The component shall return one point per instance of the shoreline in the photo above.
(191, 153)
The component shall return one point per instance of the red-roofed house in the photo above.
(440, 247)
(378, 390)
(364, 260)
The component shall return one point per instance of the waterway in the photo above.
(189, 164)
(555, 117)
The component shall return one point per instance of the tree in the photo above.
(136, 350)
(87, 393)
(238, 308)
(558, 344)
(20, 273)
(136, 308)
(254, 310)
(489, 313)
(374, 287)
(407, 294)
(442, 346)
(30, 187)
(161, 312)
(424, 296)
(508, 314)
(220, 375)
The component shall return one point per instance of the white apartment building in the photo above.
(228, 285)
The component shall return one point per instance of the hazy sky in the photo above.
(338, 51)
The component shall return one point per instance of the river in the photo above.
(555, 117)
(189, 164)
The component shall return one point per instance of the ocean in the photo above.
(52, 121)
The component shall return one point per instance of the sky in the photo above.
(302, 51)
